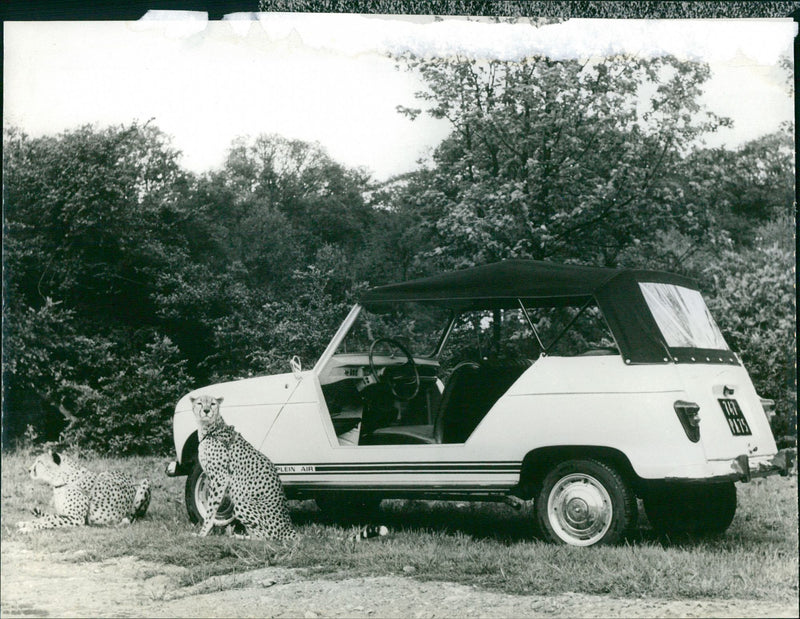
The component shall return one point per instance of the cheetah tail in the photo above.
(142, 500)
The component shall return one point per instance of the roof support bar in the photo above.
(530, 322)
(571, 322)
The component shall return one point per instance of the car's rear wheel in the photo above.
(585, 503)
(695, 509)
(196, 495)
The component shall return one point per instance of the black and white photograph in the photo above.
(349, 314)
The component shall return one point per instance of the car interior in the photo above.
(387, 393)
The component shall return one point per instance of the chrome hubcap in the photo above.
(579, 509)
(225, 511)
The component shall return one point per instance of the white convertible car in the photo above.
(580, 388)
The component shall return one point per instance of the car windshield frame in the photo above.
(437, 335)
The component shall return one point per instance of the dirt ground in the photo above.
(34, 585)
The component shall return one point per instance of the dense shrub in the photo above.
(753, 299)
(128, 411)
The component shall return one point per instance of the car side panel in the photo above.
(592, 401)
(597, 401)
(601, 401)
(303, 431)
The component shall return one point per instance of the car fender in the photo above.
(250, 405)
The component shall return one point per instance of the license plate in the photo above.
(736, 421)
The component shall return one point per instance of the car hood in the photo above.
(256, 391)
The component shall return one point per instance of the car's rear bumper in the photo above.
(780, 464)
(744, 468)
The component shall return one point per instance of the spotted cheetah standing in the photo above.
(82, 497)
(234, 466)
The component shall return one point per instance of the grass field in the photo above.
(487, 545)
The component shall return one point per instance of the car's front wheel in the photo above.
(695, 509)
(585, 503)
(196, 496)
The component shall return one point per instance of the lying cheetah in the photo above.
(82, 497)
(234, 466)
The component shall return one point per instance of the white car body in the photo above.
(286, 417)
(600, 407)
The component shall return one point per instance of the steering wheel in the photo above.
(407, 376)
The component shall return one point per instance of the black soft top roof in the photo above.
(547, 284)
(501, 284)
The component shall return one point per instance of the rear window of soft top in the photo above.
(682, 317)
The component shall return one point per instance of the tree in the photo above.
(321, 199)
(397, 233)
(274, 209)
(557, 159)
(250, 340)
(111, 246)
(746, 187)
(92, 221)
(91, 216)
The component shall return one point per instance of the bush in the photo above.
(129, 412)
(753, 299)
(253, 340)
(112, 392)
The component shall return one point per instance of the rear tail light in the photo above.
(689, 416)
(769, 408)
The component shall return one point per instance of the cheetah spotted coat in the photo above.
(82, 497)
(249, 478)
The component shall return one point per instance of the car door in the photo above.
(311, 458)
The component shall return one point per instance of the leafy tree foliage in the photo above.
(130, 280)
(321, 199)
(251, 340)
(277, 208)
(127, 409)
(95, 212)
(751, 185)
(557, 159)
(90, 222)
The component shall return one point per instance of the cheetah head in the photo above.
(206, 409)
(51, 468)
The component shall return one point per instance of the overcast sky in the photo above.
(327, 78)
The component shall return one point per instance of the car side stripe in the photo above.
(399, 468)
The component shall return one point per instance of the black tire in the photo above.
(585, 503)
(348, 507)
(693, 509)
(195, 500)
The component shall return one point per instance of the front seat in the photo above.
(474, 391)
(458, 392)
(378, 411)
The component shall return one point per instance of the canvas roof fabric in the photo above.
(548, 284)
(502, 283)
